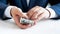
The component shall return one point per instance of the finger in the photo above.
(18, 23)
(22, 15)
(25, 26)
(17, 20)
(36, 14)
(32, 9)
(31, 12)
(41, 16)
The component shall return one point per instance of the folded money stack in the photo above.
(26, 21)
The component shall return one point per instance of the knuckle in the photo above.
(37, 6)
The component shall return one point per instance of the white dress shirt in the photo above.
(7, 11)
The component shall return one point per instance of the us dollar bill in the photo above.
(26, 21)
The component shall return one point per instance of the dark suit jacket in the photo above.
(23, 5)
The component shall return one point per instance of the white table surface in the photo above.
(43, 27)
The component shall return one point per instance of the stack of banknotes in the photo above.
(26, 21)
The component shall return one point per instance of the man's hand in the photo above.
(37, 13)
(17, 15)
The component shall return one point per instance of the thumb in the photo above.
(21, 14)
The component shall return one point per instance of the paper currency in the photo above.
(26, 21)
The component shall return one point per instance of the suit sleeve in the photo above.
(3, 6)
(56, 8)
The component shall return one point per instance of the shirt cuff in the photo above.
(7, 11)
(53, 14)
